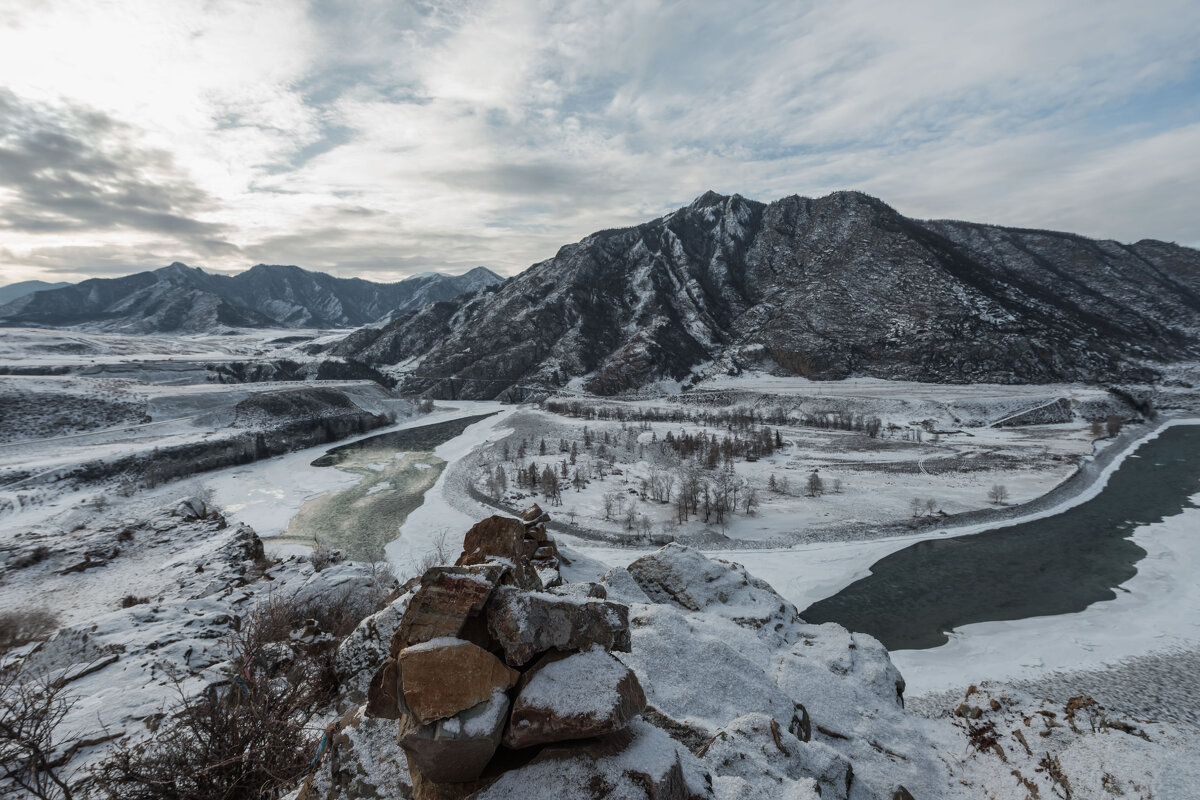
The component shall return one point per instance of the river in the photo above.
(1055, 565)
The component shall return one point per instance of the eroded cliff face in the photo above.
(827, 288)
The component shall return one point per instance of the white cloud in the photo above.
(493, 132)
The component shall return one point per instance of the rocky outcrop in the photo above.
(456, 701)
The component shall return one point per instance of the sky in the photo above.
(383, 139)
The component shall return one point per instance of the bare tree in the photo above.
(816, 486)
(32, 706)
(750, 500)
(998, 494)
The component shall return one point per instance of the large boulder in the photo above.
(573, 697)
(528, 623)
(442, 677)
(447, 597)
(638, 763)
(688, 579)
(455, 749)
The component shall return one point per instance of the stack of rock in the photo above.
(490, 663)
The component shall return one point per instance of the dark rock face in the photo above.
(827, 288)
(182, 298)
(528, 623)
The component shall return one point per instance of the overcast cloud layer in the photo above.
(382, 139)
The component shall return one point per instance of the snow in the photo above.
(583, 684)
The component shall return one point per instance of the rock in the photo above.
(360, 653)
(442, 677)
(191, 508)
(383, 693)
(755, 746)
(580, 591)
(446, 598)
(458, 748)
(637, 763)
(688, 579)
(622, 588)
(529, 623)
(501, 538)
(534, 515)
(573, 697)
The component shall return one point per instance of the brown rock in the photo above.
(441, 606)
(576, 696)
(383, 694)
(501, 538)
(528, 623)
(445, 676)
(538, 532)
(456, 749)
(534, 514)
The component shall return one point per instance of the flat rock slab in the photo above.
(528, 623)
(442, 677)
(573, 697)
(456, 749)
(441, 606)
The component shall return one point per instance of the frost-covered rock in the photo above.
(360, 654)
(528, 623)
(686, 578)
(640, 763)
(756, 748)
(573, 697)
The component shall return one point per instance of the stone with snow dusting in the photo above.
(446, 598)
(685, 578)
(360, 653)
(528, 623)
(501, 538)
(442, 677)
(458, 748)
(638, 763)
(757, 748)
(573, 697)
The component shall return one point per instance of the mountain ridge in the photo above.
(826, 288)
(182, 298)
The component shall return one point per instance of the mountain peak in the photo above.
(708, 200)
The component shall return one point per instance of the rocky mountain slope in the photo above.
(828, 288)
(182, 298)
(14, 291)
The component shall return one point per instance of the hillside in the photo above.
(182, 298)
(828, 288)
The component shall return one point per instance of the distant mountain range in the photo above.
(179, 298)
(15, 290)
(826, 288)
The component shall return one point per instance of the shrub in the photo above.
(21, 627)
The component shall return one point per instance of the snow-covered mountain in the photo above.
(14, 291)
(827, 288)
(182, 298)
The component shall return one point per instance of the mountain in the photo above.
(183, 298)
(826, 288)
(16, 290)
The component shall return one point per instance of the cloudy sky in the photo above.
(382, 139)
